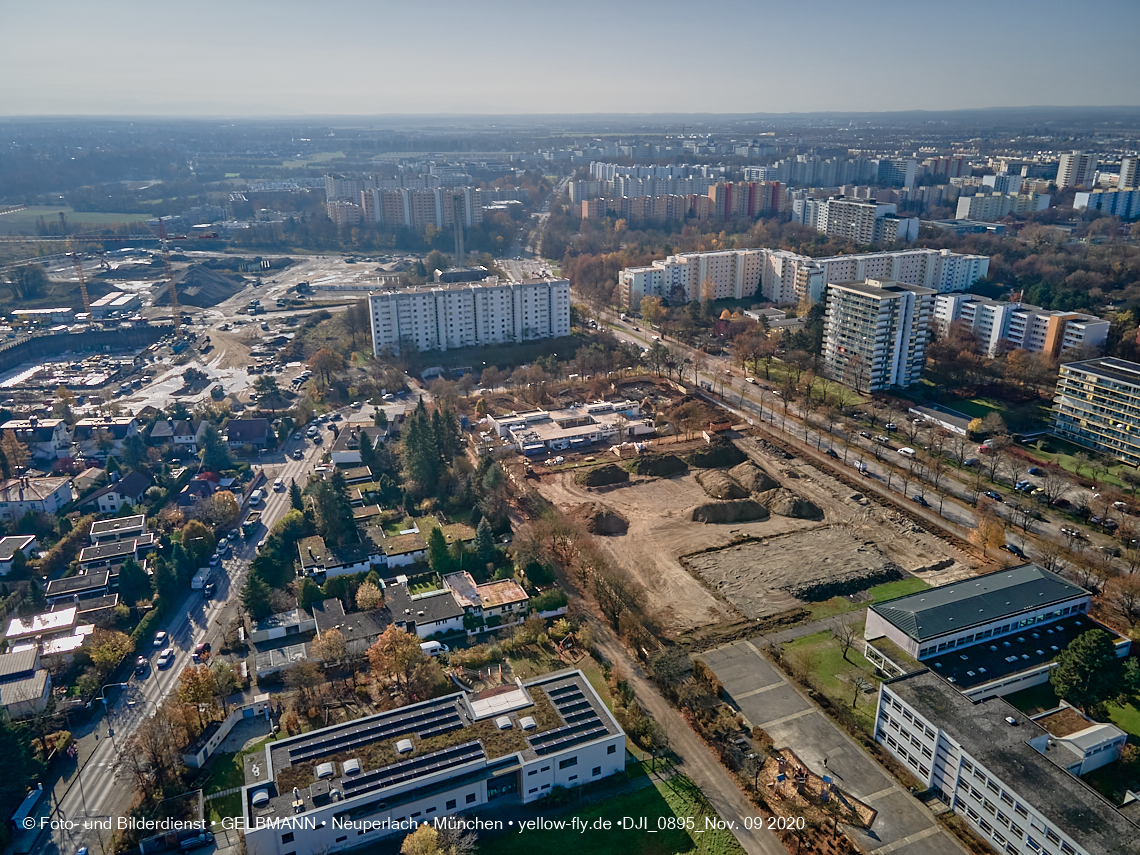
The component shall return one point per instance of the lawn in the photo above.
(822, 656)
(879, 593)
(678, 798)
(24, 222)
(227, 772)
(1062, 453)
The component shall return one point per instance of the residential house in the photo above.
(404, 549)
(319, 560)
(180, 436)
(498, 603)
(19, 496)
(359, 629)
(25, 687)
(98, 437)
(46, 439)
(128, 490)
(123, 528)
(199, 488)
(242, 432)
(346, 450)
(9, 546)
(72, 589)
(111, 556)
(41, 627)
(282, 625)
(424, 614)
(93, 610)
(88, 478)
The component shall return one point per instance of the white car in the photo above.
(255, 497)
(159, 639)
(165, 658)
(278, 485)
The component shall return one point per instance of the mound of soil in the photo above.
(599, 519)
(657, 465)
(718, 455)
(785, 503)
(201, 287)
(236, 263)
(735, 511)
(720, 486)
(752, 478)
(599, 476)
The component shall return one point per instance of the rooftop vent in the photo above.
(260, 798)
(404, 746)
(503, 722)
(527, 723)
(326, 770)
(352, 767)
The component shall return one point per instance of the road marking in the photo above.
(883, 792)
(756, 691)
(787, 718)
(906, 841)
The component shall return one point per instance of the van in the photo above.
(906, 452)
(255, 497)
(751, 380)
(278, 485)
(434, 648)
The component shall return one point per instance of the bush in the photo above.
(146, 627)
(550, 600)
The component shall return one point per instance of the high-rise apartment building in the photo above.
(897, 171)
(1123, 202)
(1097, 405)
(991, 207)
(418, 208)
(1019, 326)
(864, 221)
(443, 317)
(343, 213)
(1076, 169)
(875, 333)
(784, 277)
(340, 187)
(1129, 172)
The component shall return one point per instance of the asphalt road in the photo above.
(100, 792)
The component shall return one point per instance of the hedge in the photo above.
(550, 600)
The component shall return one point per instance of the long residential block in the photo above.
(1097, 405)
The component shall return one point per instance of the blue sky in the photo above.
(370, 57)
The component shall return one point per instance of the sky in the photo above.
(247, 58)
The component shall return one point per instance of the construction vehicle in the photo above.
(175, 311)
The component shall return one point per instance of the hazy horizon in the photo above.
(358, 59)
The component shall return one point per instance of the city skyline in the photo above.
(257, 60)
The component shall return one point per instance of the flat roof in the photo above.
(982, 731)
(1108, 367)
(131, 523)
(979, 599)
(446, 733)
(74, 584)
(114, 548)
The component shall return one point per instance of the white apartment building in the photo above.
(346, 188)
(468, 314)
(1097, 405)
(356, 783)
(992, 207)
(1020, 326)
(1123, 202)
(784, 277)
(1129, 172)
(875, 333)
(1076, 169)
(897, 171)
(415, 209)
(1004, 773)
(343, 213)
(865, 221)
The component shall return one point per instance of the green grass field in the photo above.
(879, 593)
(657, 806)
(24, 222)
(822, 655)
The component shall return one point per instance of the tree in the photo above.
(484, 542)
(153, 754)
(989, 530)
(165, 581)
(330, 648)
(1089, 674)
(215, 453)
(334, 510)
(1126, 596)
(266, 386)
(15, 452)
(439, 559)
(134, 583)
(325, 363)
(199, 543)
(369, 596)
(296, 499)
(395, 655)
(652, 310)
(423, 841)
(107, 648)
(196, 688)
(256, 596)
(308, 593)
(224, 679)
(218, 510)
(846, 634)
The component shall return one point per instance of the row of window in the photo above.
(1001, 630)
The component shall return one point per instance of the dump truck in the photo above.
(249, 525)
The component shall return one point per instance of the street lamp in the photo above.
(107, 708)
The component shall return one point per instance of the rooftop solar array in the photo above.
(582, 721)
(424, 723)
(416, 767)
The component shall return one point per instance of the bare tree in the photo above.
(1125, 593)
(845, 634)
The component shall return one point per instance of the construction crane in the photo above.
(82, 281)
(174, 307)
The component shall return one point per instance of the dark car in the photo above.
(1036, 470)
(1014, 550)
(318, 439)
(140, 665)
(209, 591)
(919, 499)
(1061, 503)
(864, 434)
(993, 494)
(832, 453)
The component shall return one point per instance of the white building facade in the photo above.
(1021, 326)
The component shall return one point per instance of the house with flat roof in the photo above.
(282, 625)
(424, 614)
(356, 783)
(579, 426)
(1009, 777)
(113, 554)
(24, 544)
(402, 550)
(71, 589)
(989, 635)
(124, 528)
(43, 626)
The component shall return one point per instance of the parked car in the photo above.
(890, 426)
(1061, 503)
(335, 417)
(140, 665)
(919, 499)
(434, 648)
(993, 494)
(356, 405)
(1114, 551)
(831, 452)
(1074, 533)
(1036, 470)
(209, 590)
(1014, 550)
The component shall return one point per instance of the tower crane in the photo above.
(174, 307)
(82, 282)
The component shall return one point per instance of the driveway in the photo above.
(767, 699)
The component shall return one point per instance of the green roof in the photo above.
(982, 599)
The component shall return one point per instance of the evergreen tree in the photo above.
(309, 592)
(367, 452)
(439, 559)
(256, 596)
(112, 465)
(19, 766)
(334, 511)
(380, 418)
(295, 497)
(134, 452)
(484, 542)
(215, 452)
(1089, 674)
(419, 452)
(165, 581)
(134, 583)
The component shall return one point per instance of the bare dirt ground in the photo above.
(661, 533)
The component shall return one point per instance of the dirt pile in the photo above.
(599, 519)
(201, 287)
(752, 478)
(600, 476)
(657, 465)
(719, 486)
(785, 503)
(735, 511)
(721, 454)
